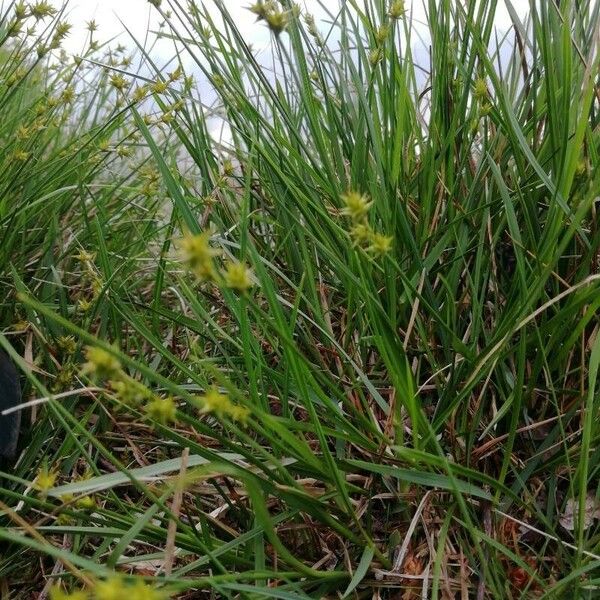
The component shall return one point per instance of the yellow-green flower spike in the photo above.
(142, 591)
(277, 21)
(100, 363)
(397, 9)
(85, 503)
(237, 276)
(45, 480)
(198, 255)
(129, 391)
(480, 89)
(220, 405)
(113, 588)
(57, 593)
(380, 244)
(357, 205)
(163, 410)
(361, 233)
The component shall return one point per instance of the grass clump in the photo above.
(350, 347)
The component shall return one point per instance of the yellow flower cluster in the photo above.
(150, 178)
(100, 363)
(276, 19)
(85, 503)
(162, 410)
(41, 9)
(45, 480)
(480, 89)
(220, 405)
(356, 207)
(482, 96)
(237, 276)
(38, 11)
(56, 593)
(67, 344)
(311, 27)
(91, 282)
(113, 588)
(397, 9)
(118, 82)
(199, 256)
(21, 155)
(103, 365)
(381, 34)
(64, 377)
(129, 391)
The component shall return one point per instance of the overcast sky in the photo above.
(137, 16)
(113, 16)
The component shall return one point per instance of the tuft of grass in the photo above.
(348, 348)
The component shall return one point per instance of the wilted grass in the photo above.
(348, 350)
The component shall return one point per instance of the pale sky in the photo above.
(113, 16)
(138, 15)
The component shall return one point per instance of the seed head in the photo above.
(68, 95)
(118, 82)
(361, 233)
(199, 255)
(45, 480)
(84, 305)
(262, 9)
(485, 109)
(277, 21)
(176, 74)
(62, 29)
(380, 244)
(86, 503)
(228, 169)
(375, 56)
(480, 89)
(159, 87)
(67, 344)
(237, 276)
(85, 257)
(221, 406)
(139, 93)
(142, 591)
(42, 9)
(382, 34)
(64, 378)
(56, 593)
(20, 11)
(357, 205)
(113, 588)
(21, 155)
(100, 363)
(129, 391)
(162, 410)
(396, 9)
